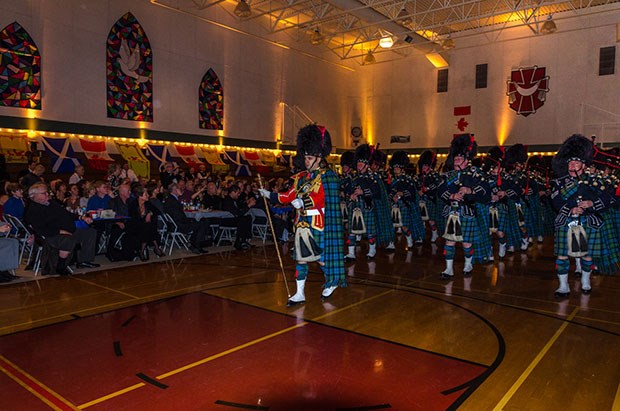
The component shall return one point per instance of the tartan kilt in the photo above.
(548, 218)
(370, 218)
(484, 247)
(469, 228)
(533, 217)
(598, 240)
(412, 219)
(318, 235)
(510, 225)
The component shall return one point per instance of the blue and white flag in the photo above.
(61, 154)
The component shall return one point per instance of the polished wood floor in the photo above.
(535, 352)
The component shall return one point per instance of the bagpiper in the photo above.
(366, 210)
(580, 197)
(464, 186)
(404, 198)
(516, 183)
(428, 180)
(315, 194)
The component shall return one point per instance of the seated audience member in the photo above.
(72, 202)
(78, 174)
(52, 221)
(101, 199)
(128, 174)
(114, 178)
(9, 254)
(35, 176)
(143, 223)
(88, 190)
(169, 175)
(155, 197)
(242, 220)
(211, 199)
(59, 191)
(15, 205)
(32, 163)
(199, 229)
(202, 173)
(120, 205)
(186, 193)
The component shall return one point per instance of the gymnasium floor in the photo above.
(212, 332)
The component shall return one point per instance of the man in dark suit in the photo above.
(52, 221)
(199, 229)
(242, 220)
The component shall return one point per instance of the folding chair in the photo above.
(174, 236)
(260, 226)
(21, 233)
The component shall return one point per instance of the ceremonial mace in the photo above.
(275, 240)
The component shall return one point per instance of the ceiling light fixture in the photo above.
(369, 58)
(243, 9)
(386, 42)
(549, 26)
(316, 38)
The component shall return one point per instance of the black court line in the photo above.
(77, 317)
(117, 349)
(243, 406)
(126, 323)
(151, 381)
(367, 407)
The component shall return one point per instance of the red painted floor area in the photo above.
(299, 366)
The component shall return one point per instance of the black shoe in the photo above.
(158, 252)
(444, 276)
(86, 264)
(64, 272)
(586, 292)
(561, 295)
(144, 254)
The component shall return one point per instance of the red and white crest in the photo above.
(527, 89)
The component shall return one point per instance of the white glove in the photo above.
(264, 193)
(297, 203)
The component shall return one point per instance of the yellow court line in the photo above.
(365, 300)
(509, 394)
(32, 391)
(110, 396)
(106, 288)
(224, 353)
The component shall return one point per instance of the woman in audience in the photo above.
(87, 192)
(143, 223)
(14, 205)
(72, 202)
(59, 190)
(114, 178)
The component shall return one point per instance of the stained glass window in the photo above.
(20, 69)
(129, 71)
(211, 102)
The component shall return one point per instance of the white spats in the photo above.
(299, 296)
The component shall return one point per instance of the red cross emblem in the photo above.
(527, 89)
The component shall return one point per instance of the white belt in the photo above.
(314, 211)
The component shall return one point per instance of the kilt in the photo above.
(548, 217)
(483, 248)
(469, 228)
(598, 240)
(510, 225)
(370, 217)
(533, 217)
(412, 219)
(318, 235)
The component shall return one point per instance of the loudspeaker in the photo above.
(409, 39)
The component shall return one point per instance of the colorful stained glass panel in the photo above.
(211, 102)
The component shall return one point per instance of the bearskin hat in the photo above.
(399, 159)
(378, 156)
(495, 156)
(298, 163)
(428, 158)
(462, 145)
(347, 159)
(576, 147)
(313, 140)
(516, 154)
(363, 153)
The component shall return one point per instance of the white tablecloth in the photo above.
(197, 215)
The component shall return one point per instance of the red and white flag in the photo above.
(461, 115)
(96, 153)
(188, 155)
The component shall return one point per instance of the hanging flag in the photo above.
(15, 148)
(242, 169)
(212, 157)
(61, 154)
(268, 157)
(188, 155)
(461, 113)
(160, 152)
(97, 154)
(135, 158)
(252, 158)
